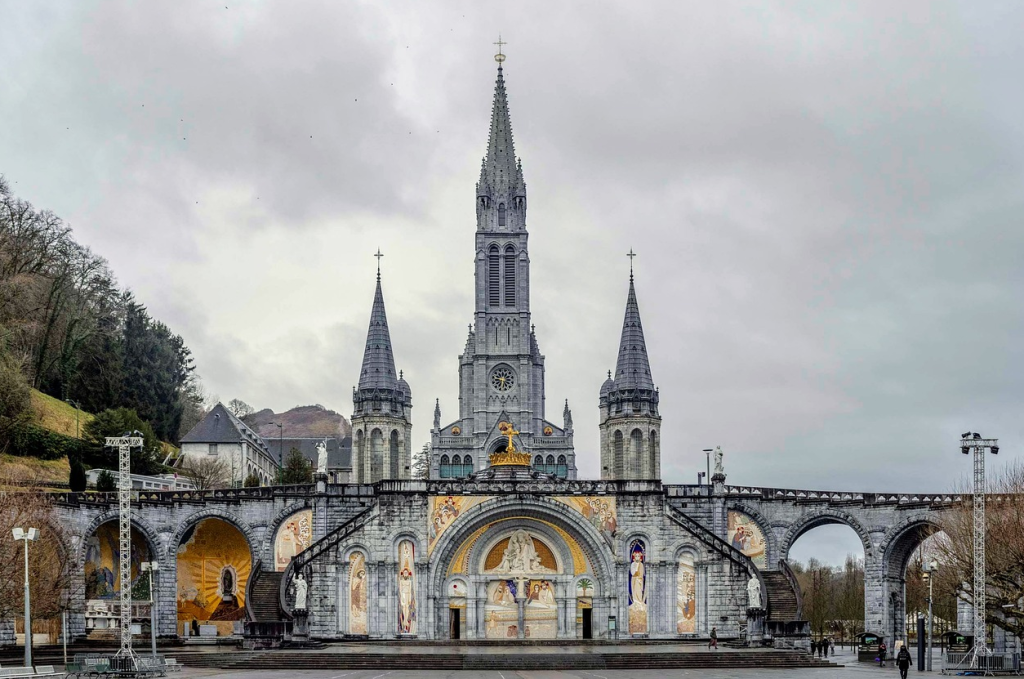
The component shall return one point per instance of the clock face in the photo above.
(503, 379)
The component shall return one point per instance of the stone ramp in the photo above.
(504, 658)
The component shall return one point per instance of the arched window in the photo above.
(636, 453)
(360, 471)
(538, 463)
(467, 465)
(376, 456)
(446, 469)
(563, 468)
(501, 214)
(618, 455)
(550, 464)
(510, 276)
(396, 472)
(652, 453)
(493, 277)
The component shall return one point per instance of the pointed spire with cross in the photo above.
(631, 255)
(378, 256)
(499, 57)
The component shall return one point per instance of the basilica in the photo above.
(502, 540)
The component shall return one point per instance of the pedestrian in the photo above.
(814, 647)
(881, 653)
(903, 662)
(827, 643)
(713, 642)
(821, 647)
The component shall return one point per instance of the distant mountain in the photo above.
(301, 421)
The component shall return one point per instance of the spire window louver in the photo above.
(501, 214)
(493, 278)
(510, 276)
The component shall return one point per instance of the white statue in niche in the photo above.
(719, 469)
(521, 556)
(321, 457)
(754, 592)
(300, 592)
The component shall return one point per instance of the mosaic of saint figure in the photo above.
(406, 588)
(686, 597)
(637, 588)
(357, 593)
(294, 536)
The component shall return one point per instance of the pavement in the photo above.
(852, 670)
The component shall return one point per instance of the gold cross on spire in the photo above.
(499, 57)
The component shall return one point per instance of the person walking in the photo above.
(882, 648)
(814, 647)
(903, 662)
(827, 643)
(713, 642)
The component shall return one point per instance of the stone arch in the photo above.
(193, 520)
(589, 541)
(353, 547)
(270, 537)
(144, 527)
(823, 517)
(650, 545)
(771, 539)
(900, 541)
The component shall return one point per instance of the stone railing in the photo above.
(205, 496)
(539, 486)
(842, 496)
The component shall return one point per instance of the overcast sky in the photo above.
(826, 200)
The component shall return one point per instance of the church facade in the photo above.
(502, 540)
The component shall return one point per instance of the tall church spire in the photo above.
(501, 191)
(378, 371)
(632, 368)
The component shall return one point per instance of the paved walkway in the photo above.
(852, 670)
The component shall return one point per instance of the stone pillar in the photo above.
(876, 596)
(481, 615)
(701, 568)
(374, 572)
(562, 630)
(521, 605)
(343, 597)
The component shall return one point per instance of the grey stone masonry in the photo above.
(501, 370)
(374, 519)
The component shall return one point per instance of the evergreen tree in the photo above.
(76, 479)
(105, 482)
(296, 469)
(252, 481)
(117, 422)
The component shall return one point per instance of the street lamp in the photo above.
(152, 567)
(707, 453)
(27, 534)
(929, 569)
(280, 451)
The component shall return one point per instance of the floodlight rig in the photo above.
(974, 441)
(124, 445)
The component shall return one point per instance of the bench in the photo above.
(10, 672)
(47, 671)
(172, 664)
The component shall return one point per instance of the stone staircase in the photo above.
(783, 605)
(505, 659)
(264, 595)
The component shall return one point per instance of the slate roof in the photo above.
(378, 371)
(632, 368)
(339, 451)
(221, 426)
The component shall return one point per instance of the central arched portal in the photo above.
(520, 571)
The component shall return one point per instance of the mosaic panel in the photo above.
(294, 535)
(443, 510)
(746, 536)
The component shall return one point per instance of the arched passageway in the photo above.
(214, 560)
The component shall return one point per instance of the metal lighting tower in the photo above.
(968, 443)
(124, 445)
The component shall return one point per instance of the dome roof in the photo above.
(608, 385)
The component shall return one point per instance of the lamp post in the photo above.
(974, 442)
(707, 453)
(152, 567)
(27, 534)
(930, 569)
(280, 451)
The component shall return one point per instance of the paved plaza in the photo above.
(851, 670)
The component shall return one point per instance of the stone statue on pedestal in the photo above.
(754, 592)
(301, 588)
(719, 469)
(321, 457)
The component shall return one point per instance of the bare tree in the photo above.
(240, 408)
(50, 575)
(1004, 549)
(205, 472)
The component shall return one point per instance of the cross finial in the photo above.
(499, 57)
(631, 255)
(378, 256)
